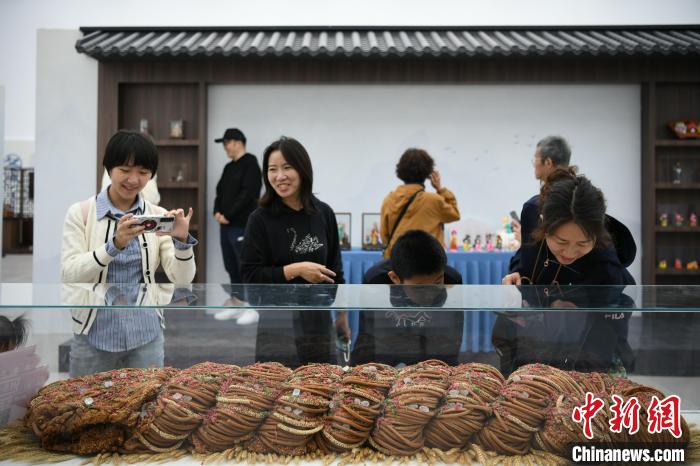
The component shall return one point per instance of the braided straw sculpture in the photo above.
(269, 409)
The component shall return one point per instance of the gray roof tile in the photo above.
(224, 42)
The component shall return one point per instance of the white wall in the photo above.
(66, 142)
(20, 19)
(481, 136)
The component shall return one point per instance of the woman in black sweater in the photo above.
(574, 244)
(292, 238)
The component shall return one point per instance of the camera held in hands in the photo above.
(153, 223)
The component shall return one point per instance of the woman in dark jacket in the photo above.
(292, 238)
(571, 246)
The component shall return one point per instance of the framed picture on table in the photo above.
(371, 235)
(344, 221)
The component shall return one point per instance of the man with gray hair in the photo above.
(551, 153)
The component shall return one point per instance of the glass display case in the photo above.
(503, 334)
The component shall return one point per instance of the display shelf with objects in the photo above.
(173, 115)
(18, 211)
(214, 396)
(671, 165)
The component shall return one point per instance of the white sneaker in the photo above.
(249, 317)
(228, 314)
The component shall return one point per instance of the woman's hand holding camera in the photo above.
(181, 230)
(127, 229)
(309, 271)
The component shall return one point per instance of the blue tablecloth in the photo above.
(477, 268)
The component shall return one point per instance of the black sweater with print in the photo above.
(273, 240)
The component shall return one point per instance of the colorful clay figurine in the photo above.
(677, 173)
(477, 243)
(467, 242)
(692, 126)
(663, 220)
(693, 220)
(692, 265)
(453, 240)
(677, 264)
(374, 233)
(506, 224)
(680, 128)
(489, 243)
(343, 237)
(678, 219)
(663, 264)
(499, 243)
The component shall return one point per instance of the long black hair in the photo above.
(567, 197)
(295, 155)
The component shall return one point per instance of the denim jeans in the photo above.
(85, 359)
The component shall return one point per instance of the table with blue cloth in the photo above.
(476, 268)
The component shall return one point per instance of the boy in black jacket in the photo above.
(407, 334)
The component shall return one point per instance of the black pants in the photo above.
(231, 247)
(295, 338)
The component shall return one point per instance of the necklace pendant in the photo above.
(546, 262)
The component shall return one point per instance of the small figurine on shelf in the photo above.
(499, 243)
(453, 240)
(677, 173)
(343, 237)
(663, 220)
(506, 224)
(677, 264)
(678, 219)
(692, 265)
(489, 243)
(467, 242)
(477, 243)
(680, 128)
(692, 127)
(375, 235)
(693, 220)
(663, 264)
(143, 126)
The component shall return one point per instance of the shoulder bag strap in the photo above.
(403, 211)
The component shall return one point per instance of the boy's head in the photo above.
(417, 259)
(131, 149)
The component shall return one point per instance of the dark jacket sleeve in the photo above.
(256, 256)
(529, 219)
(335, 262)
(252, 182)
(217, 199)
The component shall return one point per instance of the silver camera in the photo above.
(153, 223)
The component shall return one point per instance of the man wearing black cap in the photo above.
(237, 195)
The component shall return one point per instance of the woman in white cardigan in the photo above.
(103, 243)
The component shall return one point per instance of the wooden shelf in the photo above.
(678, 143)
(677, 229)
(177, 142)
(177, 184)
(678, 186)
(677, 272)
